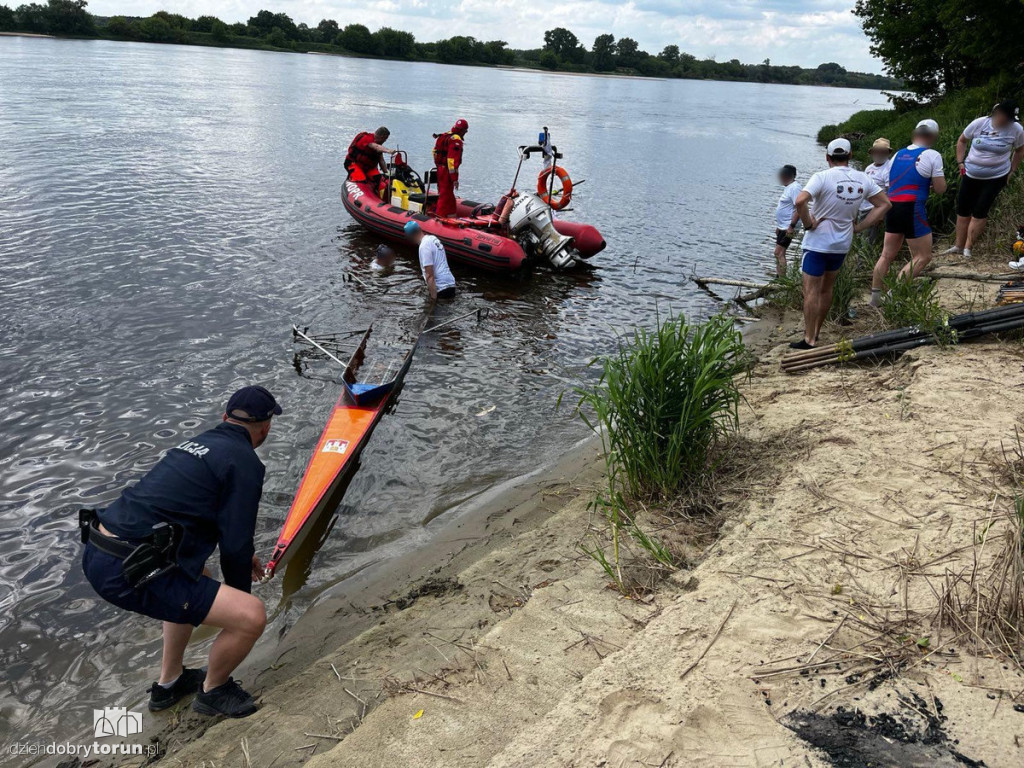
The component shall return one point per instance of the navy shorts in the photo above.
(816, 263)
(173, 597)
(783, 238)
(908, 219)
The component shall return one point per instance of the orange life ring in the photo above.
(559, 199)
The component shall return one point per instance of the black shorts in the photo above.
(447, 293)
(173, 597)
(783, 238)
(975, 196)
(908, 219)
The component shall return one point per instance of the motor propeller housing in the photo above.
(531, 224)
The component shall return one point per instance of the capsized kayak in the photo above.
(371, 378)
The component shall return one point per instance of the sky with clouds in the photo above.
(804, 32)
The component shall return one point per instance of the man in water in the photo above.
(433, 262)
(207, 491)
(915, 171)
(447, 159)
(365, 158)
(878, 171)
(786, 216)
(383, 260)
(837, 195)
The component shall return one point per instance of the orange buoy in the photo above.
(558, 199)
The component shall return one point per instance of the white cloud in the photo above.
(805, 32)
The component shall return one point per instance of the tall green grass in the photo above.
(664, 402)
(910, 302)
(663, 405)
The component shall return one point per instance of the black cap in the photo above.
(257, 402)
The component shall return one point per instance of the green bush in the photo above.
(788, 289)
(664, 403)
(909, 302)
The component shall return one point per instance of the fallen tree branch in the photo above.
(704, 282)
(981, 277)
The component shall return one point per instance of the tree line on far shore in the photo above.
(562, 50)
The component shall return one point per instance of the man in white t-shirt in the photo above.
(914, 172)
(786, 216)
(433, 261)
(837, 195)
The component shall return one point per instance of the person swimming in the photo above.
(383, 260)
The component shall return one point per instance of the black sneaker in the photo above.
(230, 700)
(188, 682)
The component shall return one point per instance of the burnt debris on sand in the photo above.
(913, 736)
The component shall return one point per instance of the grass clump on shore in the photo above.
(909, 302)
(664, 404)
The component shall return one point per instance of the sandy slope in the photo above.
(868, 484)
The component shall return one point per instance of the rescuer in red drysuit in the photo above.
(447, 159)
(365, 158)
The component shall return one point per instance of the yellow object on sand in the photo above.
(418, 715)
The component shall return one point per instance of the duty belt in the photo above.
(119, 548)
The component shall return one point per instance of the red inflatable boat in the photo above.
(519, 232)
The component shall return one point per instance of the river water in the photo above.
(167, 213)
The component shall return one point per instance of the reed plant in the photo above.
(788, 289)
(664, 402)
(663, 405)
(854, 277)
(910, 302)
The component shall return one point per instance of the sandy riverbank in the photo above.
(805, 635)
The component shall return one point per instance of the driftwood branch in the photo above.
(981, 277)
(704, 282)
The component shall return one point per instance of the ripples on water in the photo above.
(166, 214)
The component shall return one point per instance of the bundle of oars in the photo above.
(1011, 293)
(958, 328)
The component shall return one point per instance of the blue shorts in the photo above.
(908, 218)
(173, 597)
(816, 263)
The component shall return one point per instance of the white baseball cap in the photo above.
(839, 148)
(927, 126)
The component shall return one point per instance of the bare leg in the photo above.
(890, 247)
(176, 637)
(975, 231)
(242, 619)
(920, 257)
(780, 260)
(826, 284)
(812, 295)
(962, 224)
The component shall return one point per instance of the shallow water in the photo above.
(166, 214)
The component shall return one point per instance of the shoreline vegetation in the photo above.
(562, 50)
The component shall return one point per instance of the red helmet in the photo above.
(460, 127)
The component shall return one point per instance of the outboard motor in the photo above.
(531, 225)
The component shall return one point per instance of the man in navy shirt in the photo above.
(208, 489)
